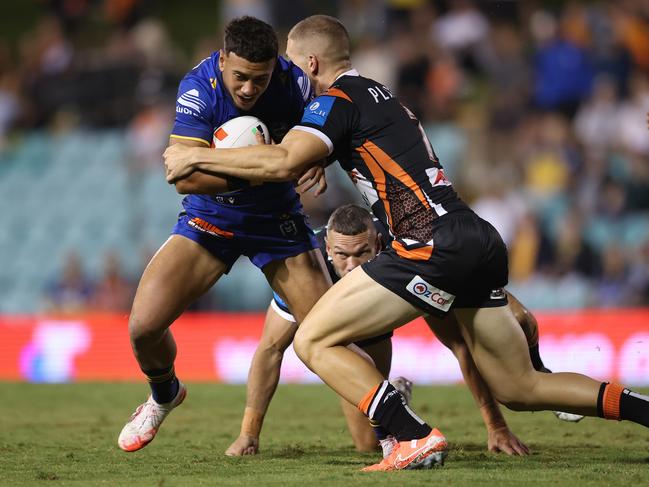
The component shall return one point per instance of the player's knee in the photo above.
(143, 332)
(304, 346)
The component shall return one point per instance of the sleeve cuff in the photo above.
(322, 136)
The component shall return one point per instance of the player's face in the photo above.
(349, 251)
(244, 80)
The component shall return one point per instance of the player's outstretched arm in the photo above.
(263, 378)
(500, 438)
(287, 161)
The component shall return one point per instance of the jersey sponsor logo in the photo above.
(206, 227)
(497, 294)
(184, 110)
(430, 294)
(191, 101)
(318, 111)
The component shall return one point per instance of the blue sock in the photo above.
(164, 384)
(380, 432)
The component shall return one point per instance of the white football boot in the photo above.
(146, 420)
(569, 417)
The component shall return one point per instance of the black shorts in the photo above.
(374, 340)
(467, 267)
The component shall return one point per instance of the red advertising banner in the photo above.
(607, 345)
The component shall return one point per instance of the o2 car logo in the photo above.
(430, 294)
(421, 288)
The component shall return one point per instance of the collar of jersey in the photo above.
(351, 72)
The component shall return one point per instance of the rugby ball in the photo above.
(240, 132)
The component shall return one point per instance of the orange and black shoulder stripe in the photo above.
(337, 92)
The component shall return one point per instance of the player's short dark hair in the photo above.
(250, 38)
(350, 220)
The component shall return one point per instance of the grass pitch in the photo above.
(66, 435)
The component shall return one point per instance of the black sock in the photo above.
(536, 359)
(634, 407)
(389, 408)
(164, 384)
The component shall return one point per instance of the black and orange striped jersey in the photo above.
(382, 146)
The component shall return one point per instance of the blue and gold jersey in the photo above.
(204, 103)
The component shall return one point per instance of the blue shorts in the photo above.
(228, 232)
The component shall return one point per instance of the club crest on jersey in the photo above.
(430, 294)
(288, 229)
(318, 111)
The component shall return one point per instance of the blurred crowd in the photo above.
(537, 110)
(74, 291)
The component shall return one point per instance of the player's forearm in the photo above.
(199, 182)
(263, 378)
(263, 162)
(480, 391)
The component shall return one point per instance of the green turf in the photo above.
(66, 435)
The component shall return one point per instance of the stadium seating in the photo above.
(76, 192)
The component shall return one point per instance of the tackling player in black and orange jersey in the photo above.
(351, 238)
(444, 259)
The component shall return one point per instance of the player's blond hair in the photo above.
(323, 36)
